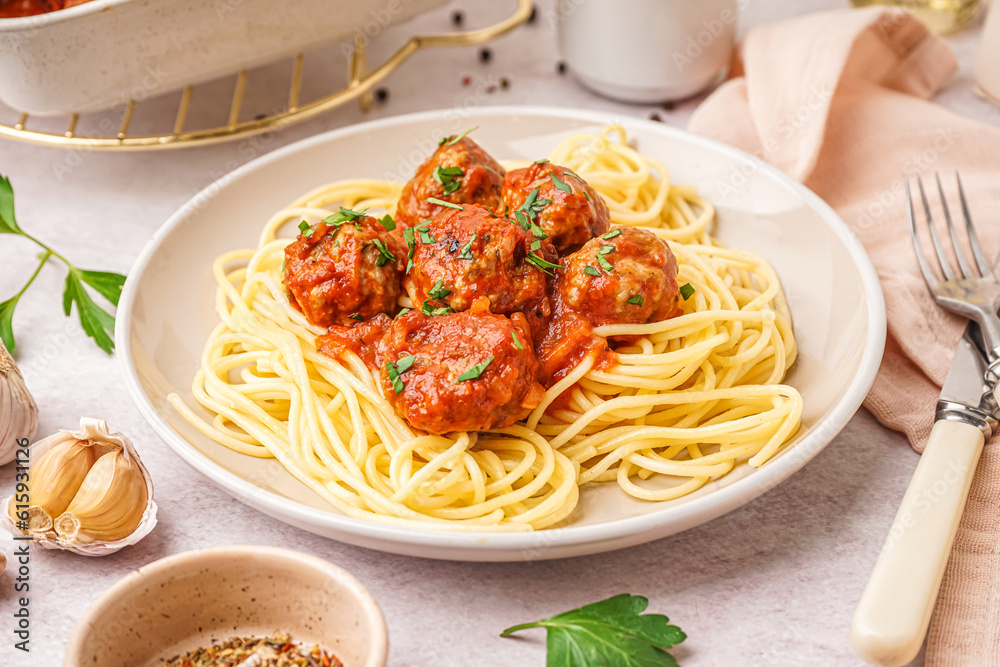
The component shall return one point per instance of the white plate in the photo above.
(167, 311)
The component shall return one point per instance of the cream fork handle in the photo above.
(895, 609)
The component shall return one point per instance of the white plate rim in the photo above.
(716, 503)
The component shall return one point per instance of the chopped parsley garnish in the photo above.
(303, 227)
(605, 264)
(532, 206)
(394, 369)
(384, 256)
(429, 310)
(536, 245)
(612, 234)
(425, 235)
(636, 300)
(403, 312)
(451, 141)
(567, 172)
(541, 263)
(542, 161)
(467, 248)
(474, 372)
(538, 232)
(344, 215)
(411, 242)
(449, 177)
(522, 220)
(438, 291)
(560, 185)
(441, 202)
(686, 291)
(387, 222)
(517, 343)
(357, 317)
(591, 271)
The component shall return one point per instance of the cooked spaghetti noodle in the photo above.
(691, 398)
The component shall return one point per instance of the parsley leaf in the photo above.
(8, 225)
(560, 185)
(441, 202)
(384, 254)
(403, 363)
(451, 141)
(517, 343)
(591, 271)
(686, 291)
(467, 248)
(636, 300)
(612, 234)
(404, 311)
(344, 215)
(536, 245)
(397, 382)
(474, 372)
(96, 322)
(541, 263)
(411, 243)
(605, 264)
(303, 227)
(609, 633)
(542, 161)
(387, 222)
(425, 235)
(449, 177)
(357, 317)
(109, 285)
(532, 206)
(438, 291)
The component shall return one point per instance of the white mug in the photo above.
(987, 72)
(647, 50)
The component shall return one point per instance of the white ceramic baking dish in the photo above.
(106, 52)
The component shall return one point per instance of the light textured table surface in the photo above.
(773, 583)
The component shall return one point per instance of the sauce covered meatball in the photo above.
(462, 255)
(627, 276)
(345, 269)
(563, 205)
(468, 371)
(459, 171)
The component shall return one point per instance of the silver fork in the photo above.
(972, 294)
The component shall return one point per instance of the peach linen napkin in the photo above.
(839, 101)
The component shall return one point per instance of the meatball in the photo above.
(459, 171)
(345, 269)
(470, 253)
(563, 204)
(468, 371)
(627, 276)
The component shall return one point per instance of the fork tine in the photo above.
(925, 268)
(963, 266)
(984, 265)
(938, 248)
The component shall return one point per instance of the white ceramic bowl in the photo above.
(167, 311)
(106, 52)
(182, 602)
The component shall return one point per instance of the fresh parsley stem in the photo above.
(45, 258)
(523, 626)
(49, 250)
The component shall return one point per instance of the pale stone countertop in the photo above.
(773, 583)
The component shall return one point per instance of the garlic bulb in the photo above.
(18, 412)
(89, 493)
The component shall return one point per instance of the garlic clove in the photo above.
(111, 505)
(18, 411)
(60, 472)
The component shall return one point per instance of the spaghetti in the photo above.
(687, 401)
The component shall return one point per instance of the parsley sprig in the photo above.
(97, 323)
(609, 633)
(451, 141)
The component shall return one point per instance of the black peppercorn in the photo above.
(485, 55)
(381, 94)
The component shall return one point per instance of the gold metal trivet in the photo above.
(359, 87)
